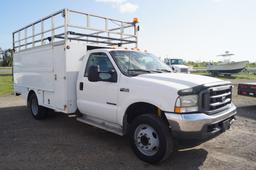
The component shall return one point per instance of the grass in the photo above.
(3, 68)
(5, 85)
(5, 71)
(9, 69)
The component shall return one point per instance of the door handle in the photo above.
(81, 86)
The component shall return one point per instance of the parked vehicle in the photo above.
(226, 67)
(127, 92)
(247, 89)
(177, 65)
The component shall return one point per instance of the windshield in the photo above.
(133, 63)
(177, 62)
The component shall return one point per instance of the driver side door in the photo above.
(99, 99)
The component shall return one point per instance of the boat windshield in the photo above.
(132, 63)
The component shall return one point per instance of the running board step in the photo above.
(75, 115)
(72, 115)
(114, 128)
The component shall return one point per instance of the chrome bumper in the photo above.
(197, 122)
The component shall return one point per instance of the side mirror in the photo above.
(110, 76)
(93, 74)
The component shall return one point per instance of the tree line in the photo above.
(6, 57)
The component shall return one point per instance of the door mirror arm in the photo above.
(113, 76)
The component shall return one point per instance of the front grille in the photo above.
(216, 98)
(184, 70)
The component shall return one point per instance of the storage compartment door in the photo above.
(60, 92)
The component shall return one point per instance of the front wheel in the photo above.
(150, 138)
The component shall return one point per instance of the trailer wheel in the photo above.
(150, 138)
(38, 112)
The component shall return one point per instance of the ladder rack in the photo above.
(71, 25)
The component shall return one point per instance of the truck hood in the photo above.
(185, 80)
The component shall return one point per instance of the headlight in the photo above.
(187, 103)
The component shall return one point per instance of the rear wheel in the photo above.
(150, 138)
(38, 112)
(215, 74)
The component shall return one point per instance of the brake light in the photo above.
(253, 87)
(243, 92)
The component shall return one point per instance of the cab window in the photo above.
(100, 60)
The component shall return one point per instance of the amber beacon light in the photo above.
(135, 20)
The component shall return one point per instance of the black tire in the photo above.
(160, 132)
(213, 73)
(216, 74)
(38, 112)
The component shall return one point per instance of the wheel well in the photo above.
(29, 94)
(140, 108)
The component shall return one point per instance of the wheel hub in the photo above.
(146, 140)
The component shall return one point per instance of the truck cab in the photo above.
(119, 89)
(177, 65)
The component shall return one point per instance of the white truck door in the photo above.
(98, 99)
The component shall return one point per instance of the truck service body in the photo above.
(80, 74)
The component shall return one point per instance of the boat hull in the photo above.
(227, 68)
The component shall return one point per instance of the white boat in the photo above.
(226, 67)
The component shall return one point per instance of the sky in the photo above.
(194, 30)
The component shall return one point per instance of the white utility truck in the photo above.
(66, 62)
(177, 65)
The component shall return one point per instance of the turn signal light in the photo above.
(177, 109)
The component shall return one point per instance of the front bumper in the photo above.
(200, 125)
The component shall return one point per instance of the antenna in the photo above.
(227, 54)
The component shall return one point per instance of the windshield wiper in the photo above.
(157, 71)
(140, 70)
(135, 72)
(164, 70)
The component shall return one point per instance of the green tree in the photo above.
(7, 57)
(1, 56)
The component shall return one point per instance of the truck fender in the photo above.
(39, 94)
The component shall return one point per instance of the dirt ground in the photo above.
(62, 143)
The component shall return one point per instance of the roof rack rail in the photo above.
(69, 24)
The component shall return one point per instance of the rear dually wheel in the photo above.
(38, 112)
